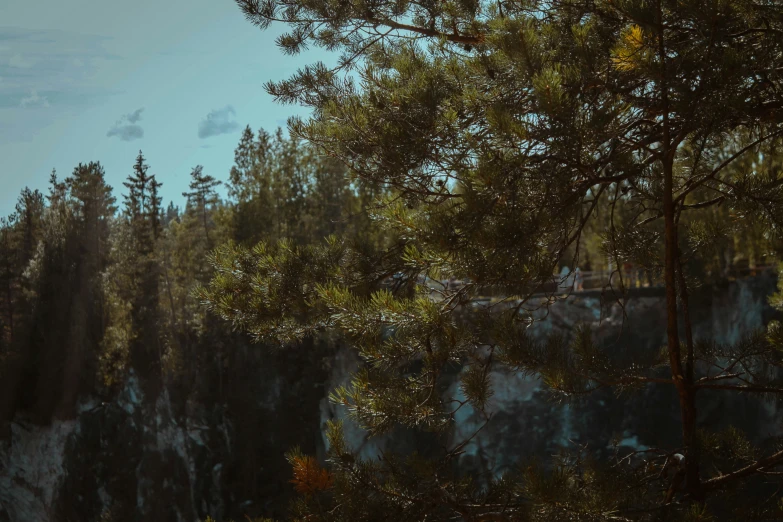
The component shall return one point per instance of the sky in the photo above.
(99, 80)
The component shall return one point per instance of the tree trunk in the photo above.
(684, 385)
(206, 227)
(9, 292)
(682, 381)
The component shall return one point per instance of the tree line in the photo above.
(98, 286)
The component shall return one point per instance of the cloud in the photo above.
(126, 128)
(126, 132)
(135, 116)
(20, 62)
(67, 66)
(40, 68)
(33, 100)
(218, 122)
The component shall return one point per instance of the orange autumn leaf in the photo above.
(309, 477)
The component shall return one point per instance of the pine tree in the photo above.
(155, 211)
(142, 205)
(29, 210)
(8, 283)
(504, 128)
(250, 186)
(63, 319)
(52, 353)
(144, 220)
(20, 233)
(93, 208)
(247, 163)
(202, 194)
(172, 214)
(281, 187)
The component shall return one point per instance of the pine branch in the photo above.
(749, 388)
(451, 37)
(704, 204)
(693, 184)
(718, 378)
(759, 466)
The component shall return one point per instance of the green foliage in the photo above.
(118, 287)
(494, 142)
(201, 195)
(90, 295)
(281, 188)
(511, 135)
(54, 297)
(142, 215)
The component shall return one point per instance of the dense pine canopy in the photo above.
(506, 133)
(96, 296)
(491, 142)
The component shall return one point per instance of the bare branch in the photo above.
(451, 37)
(690, 187)
(750, 388)
(758, 466)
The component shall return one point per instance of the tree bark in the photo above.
(206, 226)
(683, 382)
(692, 474)
(685, 389)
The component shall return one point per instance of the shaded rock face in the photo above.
(125, 460)
(527, 422)
(179, 456)
(137, 458)
(32, 463)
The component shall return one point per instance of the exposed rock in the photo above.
(527, 422)
(32, 468)
(137, 458)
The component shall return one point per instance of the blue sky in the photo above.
(97, 80)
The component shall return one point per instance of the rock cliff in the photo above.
(136, 459)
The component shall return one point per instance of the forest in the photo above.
(96, 289)
(499, 143)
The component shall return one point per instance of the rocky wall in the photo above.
(133, 459)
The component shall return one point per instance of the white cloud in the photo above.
(60, 63)
(33, 100)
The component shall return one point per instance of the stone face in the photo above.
(136, 459)
(32, 465)
(527, 422)
(127, 459)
